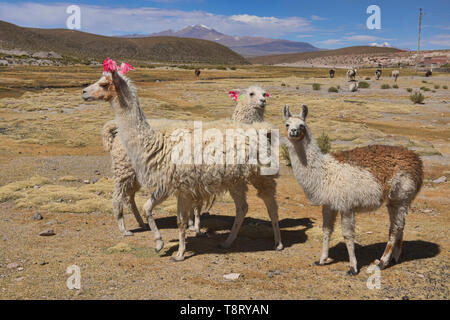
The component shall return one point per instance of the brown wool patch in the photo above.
(384, 162)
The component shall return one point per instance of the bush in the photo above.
(409, 89)
(363, 85)
(316, 86)
(233, 68)
(385, 86)
(285, 154)
(417, 97)
(367, 78)
(424, 81)
(436, 86)
(283, 84)
(444, 87)
(324, 143)
(424, 89)
(333, 89)
(395, 86)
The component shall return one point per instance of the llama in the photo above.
(125, 181)
(353, 181)
(395, 74)
(332, 72)
(378, 74)
(197, 73)
(351, 74)
(150, 153)
(353, 87)
(429, 73)
(250, 108)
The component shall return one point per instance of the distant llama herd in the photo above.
(351, 181)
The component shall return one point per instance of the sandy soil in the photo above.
(51, 144)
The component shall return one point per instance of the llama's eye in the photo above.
(252, 94)
(104, 85)
(287, 125)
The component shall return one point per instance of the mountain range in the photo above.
(245, 45)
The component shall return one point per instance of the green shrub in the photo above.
(283, 84)
(409, 89)
(424, 89)
(385, 86)
(333, 89)
(417, 97)
(367, 78)
(363, 85)
(233, 68)
(324, 143)
(395, 86)
(424, 81)
(444, 87)
(436, 86)
(316, 86)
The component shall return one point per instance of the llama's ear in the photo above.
(304, 112)
(286, 113)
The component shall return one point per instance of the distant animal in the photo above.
(428, 73)
(197, 73)
(395, 74)
(357, 180)
(353, 87)
(351, 74)
(332, 72)
(378, 74)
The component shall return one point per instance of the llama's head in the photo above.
(296, 128)
(106, 87)
(253, 97)
(103, 89)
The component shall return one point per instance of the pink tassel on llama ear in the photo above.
(233, 95)
(125, 68)
(268, 96)
(109, 65)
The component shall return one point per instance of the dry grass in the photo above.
(46, 155)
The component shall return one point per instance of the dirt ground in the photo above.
(52, 162)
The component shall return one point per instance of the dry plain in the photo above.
(50, 145)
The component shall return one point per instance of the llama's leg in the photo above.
(348, 231)
(148, 208)
(329, 218)
(397, 215)
(239, 195)
(117, 203)
(135, 211)
(184, 208)
(191, 219)
(197, 211)
(267, 191)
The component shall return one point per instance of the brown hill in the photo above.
(85, 45)
(296, 57)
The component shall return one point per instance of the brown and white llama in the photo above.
(351, 74)
(353, 181)
(150, 153)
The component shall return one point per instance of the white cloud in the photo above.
(355, 39)
(384, 44)
(113, 21)
(441, 40)
(317, 18)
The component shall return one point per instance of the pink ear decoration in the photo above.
(233, 95)
(268, 96)
(125, 68)
(109, 65)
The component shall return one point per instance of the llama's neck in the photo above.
(246, 114)
(309, 166)
(137, 136)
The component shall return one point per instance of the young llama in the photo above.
(353, 181)
(150, 154)
(250, 107)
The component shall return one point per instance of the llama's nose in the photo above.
(294, 132)
(84, 91)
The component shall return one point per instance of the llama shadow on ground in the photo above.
(366, 255)
(255, 234)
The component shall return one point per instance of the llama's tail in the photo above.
(108, 134)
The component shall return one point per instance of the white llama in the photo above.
(353, 181)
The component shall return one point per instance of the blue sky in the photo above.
(323, 23)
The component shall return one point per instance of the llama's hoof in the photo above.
(317, 264)
(352, 272)
(224, 245)
(128, 233)
(279, 247)
(177, 258)
(159, 245)
(322, 263)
